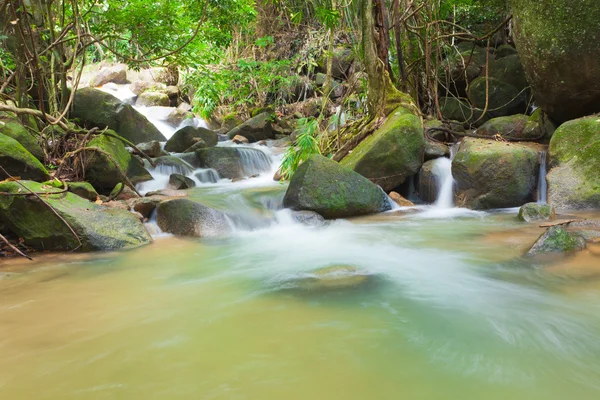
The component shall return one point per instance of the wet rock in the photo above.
(187, 136)
(16, 130)
(114, 74)
(18, 162)
(491, 174)
(504, 98)
(514, 126)
(401, 201)
(168, 193)
(255, 129)
(179, 182)
(200, 144)
(99, 109)
(126, 193)
(557, 240)
(184, 217)
(84, 190)
(153, 99)
(574, 178)
(328, 188)
(333, 278)
(144, 205)
(428, 183)
(151, 149)
(98, 227)
(392, 153)
(536, 212)
(231, 162)
(139, 87)
(177, 117)
(231, 121)
(309, 218)
(435, 150)
(240, 140)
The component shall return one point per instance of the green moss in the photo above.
(17, 131)
(536, 212)
(503, 98)
(17, 161)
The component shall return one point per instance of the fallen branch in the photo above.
(568, 221)
(19, 252)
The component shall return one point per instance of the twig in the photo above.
(551, 224)
(19, 252)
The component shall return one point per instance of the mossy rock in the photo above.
(503, 98)
(557, 239)
(512, 127)
(19, 162)
(185, 217)
(99, 109)
(255, 129)
(98, 227)
(333, 278)
(457, 109)
(102, 173)
(509, 70)
(491, 174)
(174, 164)
(188, 136)
(231, 121)
(179, 182)
(543, 121)
(536, 212)
(328, 188)
(153, 99)
(558, 42)
(392, 153)
(504, 50)
(15, 129)
(574, 177)
(84, 190)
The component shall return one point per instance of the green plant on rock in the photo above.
(305, 145)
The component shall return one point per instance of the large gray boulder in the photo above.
(326, 187)
(255, 129)
(185, 217)
(114, 74)
(99, 109)
(188, 136)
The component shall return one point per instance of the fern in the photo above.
(306, 145)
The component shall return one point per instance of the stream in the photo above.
(454, 311)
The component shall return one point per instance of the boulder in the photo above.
(503, 98)
(462, 66)
(255, 129)
(144, 205)
(509, 70)
(333, 278)
(237, 139)
(341, 63)
(97, 108)
(16, 130)
(187, 136)
(231, 162)
(179, 182)
(552, 37)
(166, 75)
(557, 239)
(392, 153)
(574, 178)
(536, 212)
(139, 87)
(309, 218)
(326, 187)
(101, 171)
(177, 117)
(114, 74)
(456, 109)
(98, 227)
(200, 144)
(84, 190)
(491, 174)
(231, 121)
(151, 149)
(545, 124)
(18, 162)
(428, 183)
(173, 164)
(153, 99)
(504, 51)
(185, 217)
(514, 127)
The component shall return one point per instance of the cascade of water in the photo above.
(254, 161)
(542, 188)
(442, 170)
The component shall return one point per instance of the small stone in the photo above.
(238, 139)
(536, 212)
(309, 218)
(179, 182)
(401, 201)
(333, 278)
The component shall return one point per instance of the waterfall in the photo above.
(254, 161)
(541, 188)
(442, 170)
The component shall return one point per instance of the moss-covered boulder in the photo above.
(255, 129)
(574, 177)
(503, 98)
(18, 162)
(456, 109)
(153, 99)
(16, 130)
(328, 188)
(540, 119)
(233, 163)
(557, 239)
(188, 136)
(491, 174)
(185, 217)
(504, 50)
(558, 42)
(509, 70)
(98, 227)
(536, 212)
(179, 182)
(99, 109)
(392, 153)
(462, 66)
(512, 127)
(83, 189)
(102, 172)
(333, 278)
(173, 164)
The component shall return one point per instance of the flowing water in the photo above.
(542, 189)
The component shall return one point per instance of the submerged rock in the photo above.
(333, 278)
(326, 187)
(491, 174)
(309, 218)
(98, 227)
(232, 162)
(187, 218)
(18, 162)
(188, 136)
(574, 177)
(392, 153)
(536, 212)
(557, 240)
(255, 129)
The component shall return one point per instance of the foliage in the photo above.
(306, 144)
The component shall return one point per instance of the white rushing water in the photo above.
(542, 189)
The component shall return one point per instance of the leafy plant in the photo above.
(306, 145)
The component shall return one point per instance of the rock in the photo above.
(151, 149)
(328, 188)
(98, 227)
(504, 51)
(177, 117)
(171, 164)
(16, 130)
(179, 182)
(341, 63)
(168, 76)
(320, 79)
(187, 218)
(102, 173)
(460, 110)
(392, 153)
(117, 204)
(504, 99)
(333, 278)
(515, 127)
(139, 87)
(309, 218)
(231, 121)
(168, 193)
(200, 144)
(237, 139)
(557, 239)
(114, 74)
(229, 161)
(84, 190)
(544, 123)
(435, 150)
(184, 106)
(536, 212)
(123, 193)
(509, 70)
(255, 129)
(144, 205)
(99, 109)
(574, 178)
(491, 174)
(188, 136)
(552, 36)
(462, 67)
(18, 162)
(401, 201)
(153, 99)
(428, 183)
